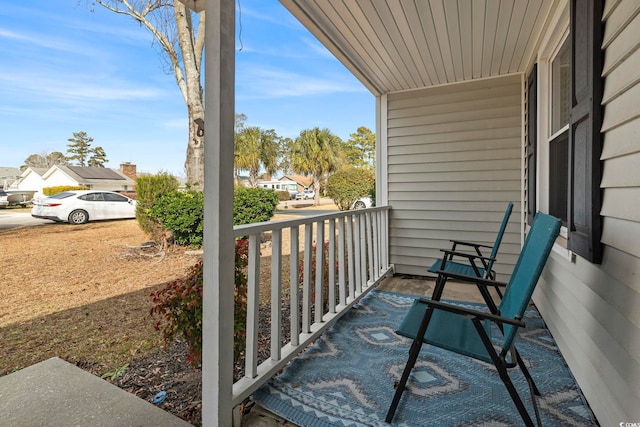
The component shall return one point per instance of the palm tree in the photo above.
(316, 152)
(256, 148)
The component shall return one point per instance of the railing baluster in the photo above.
(276, 293)
(294, 306)
(369, 240)
(376, 244)
(306, 279)
(331, 263)
(341, 262)
(253, 306)
(319, 299)
(385, 238)
(363, 252)
(358, 252)
(351, 258)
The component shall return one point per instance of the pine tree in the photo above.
(98, 157)
(79, 148)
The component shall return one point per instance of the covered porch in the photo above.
(355, 283)
(464, 100)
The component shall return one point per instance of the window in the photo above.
(92, 197)
(111, 197)
(560, 69)
(559, 129)
(567, 122)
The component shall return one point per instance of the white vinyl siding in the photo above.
(31, 182)
(593, 310)
(454, 161)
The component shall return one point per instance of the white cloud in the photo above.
(283, 18)
(45, 41)
(73, 88)
(317, 48)
(274, 83)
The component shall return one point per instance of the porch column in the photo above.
(217, 351)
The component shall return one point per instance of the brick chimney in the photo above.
(129, 170)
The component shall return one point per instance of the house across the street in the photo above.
(95, 178)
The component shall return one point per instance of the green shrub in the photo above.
(253, 205)
(181, 213)
(149, 189)
(51, 191)
(372, 195)
(179, 304)
(348, 185)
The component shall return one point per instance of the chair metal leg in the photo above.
(534, 402)
(413, 357)
(526, 373)
(504, 375)
(414, 351)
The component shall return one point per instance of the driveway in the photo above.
(305, 207)
(11, 218)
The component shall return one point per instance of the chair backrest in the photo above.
(527, 271)
(496, 245)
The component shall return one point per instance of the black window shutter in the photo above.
(532, 137)
(585, 142)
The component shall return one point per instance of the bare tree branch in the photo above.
(182, 44)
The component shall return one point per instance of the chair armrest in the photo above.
(475, 245)
(471, 279)
(466, 255)
(463, 311)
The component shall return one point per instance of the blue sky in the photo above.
(65, 69)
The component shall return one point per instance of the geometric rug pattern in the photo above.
(346, 377)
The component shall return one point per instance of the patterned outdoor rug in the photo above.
(346, 378)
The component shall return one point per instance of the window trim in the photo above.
(550, 49)
(584, 196)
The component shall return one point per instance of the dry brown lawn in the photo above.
(82, 293)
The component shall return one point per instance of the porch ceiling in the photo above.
(394, 45)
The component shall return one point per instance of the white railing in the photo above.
(356, 259)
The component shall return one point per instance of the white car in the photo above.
(78, 207)
(306, 194)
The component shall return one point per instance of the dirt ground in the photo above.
(82, 293)
(54, 267)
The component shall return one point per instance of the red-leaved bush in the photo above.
(179, 304)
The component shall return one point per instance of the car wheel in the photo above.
(359, 205)
(78, 217)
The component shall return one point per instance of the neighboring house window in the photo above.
(566, 160)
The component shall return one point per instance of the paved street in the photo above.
(21, 217)
(14, 218)
(305, 207)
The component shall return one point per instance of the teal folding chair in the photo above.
(467, 332)
(474, 264)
